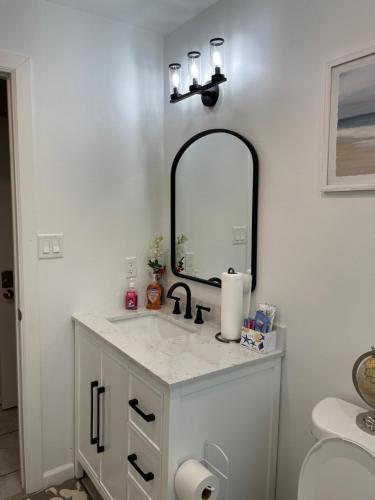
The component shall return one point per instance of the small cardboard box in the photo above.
(258, 341)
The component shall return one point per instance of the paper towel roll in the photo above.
(232, 285)
(246, 293)
(193, 481)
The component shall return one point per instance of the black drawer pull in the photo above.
(134, 404)
(93, 440)
(99, 447)
(147, 476)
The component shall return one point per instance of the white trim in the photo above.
(25, 228)
(58, 475)
(325, 186)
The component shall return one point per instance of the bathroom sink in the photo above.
(154, 325)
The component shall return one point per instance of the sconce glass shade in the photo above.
(217, 58)
(175, 79)
(194, 68)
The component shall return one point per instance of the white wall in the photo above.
(97, 99)
(316, 252)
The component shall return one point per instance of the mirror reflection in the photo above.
(214, 191)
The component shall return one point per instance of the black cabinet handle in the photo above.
(93, 440)
(134, 404)
(99, 447)
(147, 476)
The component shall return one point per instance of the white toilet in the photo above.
(341, 465)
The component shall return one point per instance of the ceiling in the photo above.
(163, 16)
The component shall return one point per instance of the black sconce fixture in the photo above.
(209, 91)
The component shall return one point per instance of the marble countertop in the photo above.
(188, 355)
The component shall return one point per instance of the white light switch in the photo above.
(50, 246)
(55, 246)
(46, 246)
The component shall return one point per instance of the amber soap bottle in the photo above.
(154, 295)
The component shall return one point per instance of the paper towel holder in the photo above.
(218, 336)
(222, 339)
(212, 463)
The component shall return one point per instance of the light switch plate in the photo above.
(51, 246)
(239, 235)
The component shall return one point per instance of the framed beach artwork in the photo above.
(349, 162)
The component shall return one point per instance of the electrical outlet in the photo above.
(131, 267)
(189, 263)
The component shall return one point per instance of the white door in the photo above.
(114, 438)
(88, 384)
(8, 343)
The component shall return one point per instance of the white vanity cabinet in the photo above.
(119, 422)
(101, 413)
(133, 429)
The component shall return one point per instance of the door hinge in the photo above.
(19, 313)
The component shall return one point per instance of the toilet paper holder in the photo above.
(217, 462)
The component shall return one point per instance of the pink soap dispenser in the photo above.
(131, 297)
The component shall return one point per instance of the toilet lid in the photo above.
(337, 468)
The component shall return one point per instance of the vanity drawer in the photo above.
(146, 409)
(144, 464)
(134, 492)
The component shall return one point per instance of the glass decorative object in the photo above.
(364, 381)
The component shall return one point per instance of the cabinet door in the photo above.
(114, 427)
(87, 385)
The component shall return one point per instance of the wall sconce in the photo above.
(217, 58)
(194, 67)
(209, 91)
(175, 80)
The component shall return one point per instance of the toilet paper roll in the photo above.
(232, 286)
(193, 481)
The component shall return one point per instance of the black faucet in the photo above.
(188, 314)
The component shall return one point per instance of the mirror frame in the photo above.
(254, 216)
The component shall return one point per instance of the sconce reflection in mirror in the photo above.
(209, 92)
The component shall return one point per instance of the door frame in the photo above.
(17, 69)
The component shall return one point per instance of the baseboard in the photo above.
(58, 475)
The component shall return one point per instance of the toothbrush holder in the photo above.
(258, 341)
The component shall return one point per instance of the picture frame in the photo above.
(349, 123)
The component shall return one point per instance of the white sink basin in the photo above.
(155, 325)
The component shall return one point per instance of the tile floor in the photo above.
(72, 489)
(10, 486)
(10, 483)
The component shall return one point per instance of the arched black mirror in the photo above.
(214, 204)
